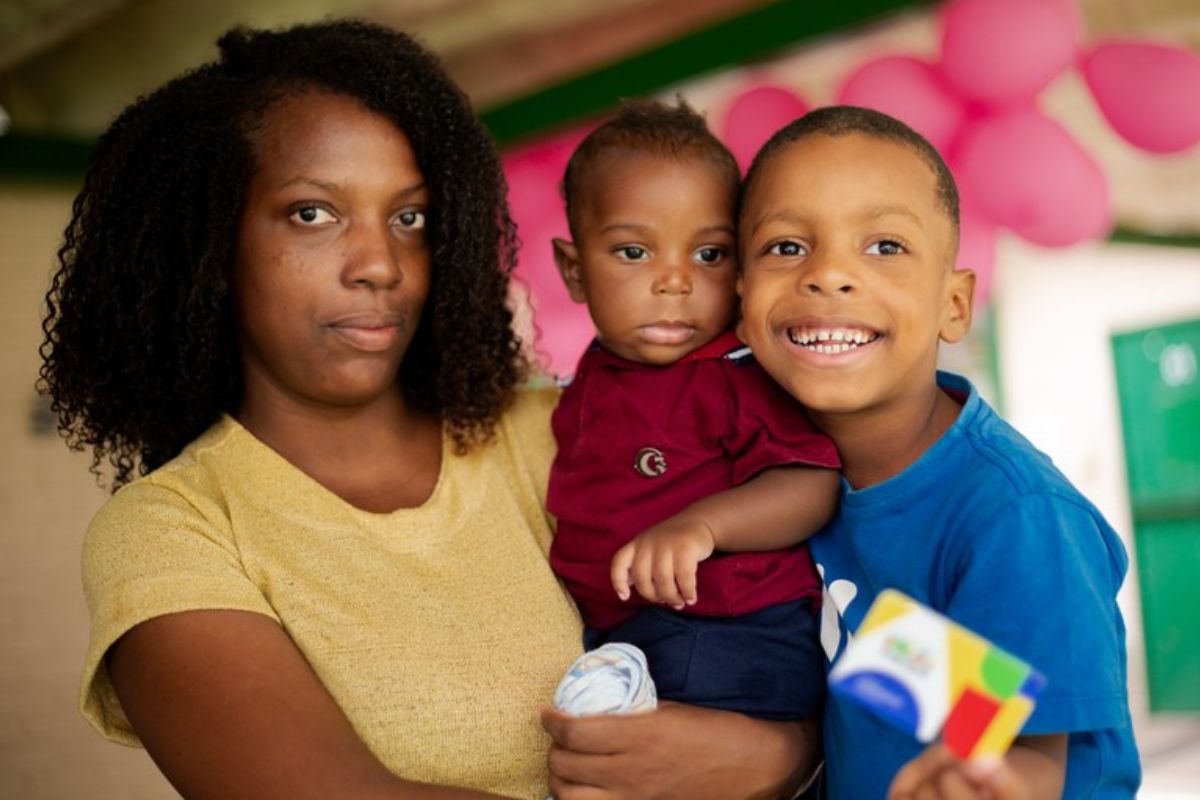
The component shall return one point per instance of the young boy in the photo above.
(670, 430)
(849, 232)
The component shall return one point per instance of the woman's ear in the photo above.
(956, 315)
(566, 256)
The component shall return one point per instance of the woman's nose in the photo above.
(372, 258)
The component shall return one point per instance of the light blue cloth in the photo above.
(612, 679)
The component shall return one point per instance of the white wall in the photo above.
(1056, 312)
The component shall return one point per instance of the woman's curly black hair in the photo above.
(141, 353)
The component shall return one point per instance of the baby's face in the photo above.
(847, 281)
(655, 256)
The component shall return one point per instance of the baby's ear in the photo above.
(956, 316)
(566, 256)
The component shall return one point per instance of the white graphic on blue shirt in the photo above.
(836, 598)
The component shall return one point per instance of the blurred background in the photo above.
(1072, 126)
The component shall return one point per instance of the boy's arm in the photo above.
(777, 508)
(1034, 768)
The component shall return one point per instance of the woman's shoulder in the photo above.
(533, 403)
(187, 485)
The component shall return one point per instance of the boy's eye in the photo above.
(886, 247)
(414, 220)
(312, 215)
(710, 255)
(786, 248)
(632, 253)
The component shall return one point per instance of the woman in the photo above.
(282, 297)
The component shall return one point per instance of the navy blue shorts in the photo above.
(766, 664)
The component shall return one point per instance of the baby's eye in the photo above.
(414, 220)
(787, 249)
(312, 215)
(632, 253)
(886, 247)
(710, 255)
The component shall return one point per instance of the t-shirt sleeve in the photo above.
(1041, 580)
(151, 552)
(768, 428)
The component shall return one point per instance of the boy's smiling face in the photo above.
(654, 255)
(848, 280)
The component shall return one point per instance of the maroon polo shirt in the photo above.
(640, 443)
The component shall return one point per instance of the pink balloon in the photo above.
(534, 173)
(977, 247)
(1149, 92)
(1001, 52)
(756, 114)
(1027, 173)
(909, 90)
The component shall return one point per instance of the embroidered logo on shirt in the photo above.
(650, 462)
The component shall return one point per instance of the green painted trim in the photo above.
(749, 37)
(991, 333)
(26, 158)
(1130, 236)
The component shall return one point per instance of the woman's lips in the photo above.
(368, 332)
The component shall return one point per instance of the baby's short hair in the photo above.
(646, 126)
(843, 120)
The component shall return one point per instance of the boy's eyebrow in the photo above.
(872, 212)
(875, 212)
(612, 226)
(777, 216)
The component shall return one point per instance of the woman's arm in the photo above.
(679, 751)
(228, 708)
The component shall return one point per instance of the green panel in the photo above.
(1159, 391)
(749, 37)
(1168, 555)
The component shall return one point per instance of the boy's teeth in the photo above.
(830, 340)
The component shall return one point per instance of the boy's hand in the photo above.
(938, 773)
(661, 561)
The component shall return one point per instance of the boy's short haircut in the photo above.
(843, 120)
(651, 127)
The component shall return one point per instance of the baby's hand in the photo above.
(661, 561)
(937, 773)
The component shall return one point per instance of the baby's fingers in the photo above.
(619, 571)
(685, 577)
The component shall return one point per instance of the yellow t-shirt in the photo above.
(439, 630)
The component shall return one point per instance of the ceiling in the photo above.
(67, 66)
(55, 53)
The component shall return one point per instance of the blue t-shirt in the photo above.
(985, 529)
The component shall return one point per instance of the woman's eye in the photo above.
(885, 247)
(632, 253)
(412, 219)
(313, 215)
(710, 255)
(787, 248)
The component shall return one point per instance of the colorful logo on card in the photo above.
(930, 676)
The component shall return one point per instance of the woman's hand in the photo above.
(678, 751)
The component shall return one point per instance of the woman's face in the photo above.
(332, 261)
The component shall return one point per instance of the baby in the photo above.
(685, 476)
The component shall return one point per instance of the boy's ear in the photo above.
(566, 256)
(956, 319)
